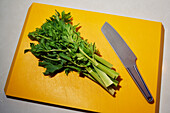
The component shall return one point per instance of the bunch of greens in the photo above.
(61, 48)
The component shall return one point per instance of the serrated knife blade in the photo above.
(127, 57)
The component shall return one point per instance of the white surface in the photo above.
(12, 17)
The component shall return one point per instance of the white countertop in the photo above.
(12, 17)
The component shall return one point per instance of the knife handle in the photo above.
(133, 70)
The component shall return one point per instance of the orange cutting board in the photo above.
(26, 80)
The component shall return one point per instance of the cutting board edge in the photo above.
(160, 68)
(16, 52)
(95, 11)
(49, 104)
(160, 59)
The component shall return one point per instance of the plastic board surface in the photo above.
(145, 38)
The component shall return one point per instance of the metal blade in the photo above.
(127, 57)
(125, 54)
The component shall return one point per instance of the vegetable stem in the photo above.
(95, 75)
(57, 50)
(92, 60)
(113, 74)
(103, 61)
(44, 37)
(107, 81)
(50, 58)
(61, 48)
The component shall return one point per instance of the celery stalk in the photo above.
(100, 81)
(107, 81)
(106, 74)
(103, 61)
(96, 77)
(61, 48)
(107, 70)
(113, 74)
(115, 82)
(111, 90)
(92, 78)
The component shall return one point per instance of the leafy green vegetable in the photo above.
(61, 48)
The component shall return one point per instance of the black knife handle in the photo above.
(133, 70)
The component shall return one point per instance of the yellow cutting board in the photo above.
(27, 82)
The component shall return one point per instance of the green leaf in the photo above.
(50, 68)
(62, 55)
(60, 47)
(74, 68)
(67, 71)
(52, 44)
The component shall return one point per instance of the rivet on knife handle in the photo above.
(127, 57)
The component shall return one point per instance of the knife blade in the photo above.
(127, 57)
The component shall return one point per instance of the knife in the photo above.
(127, 57)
